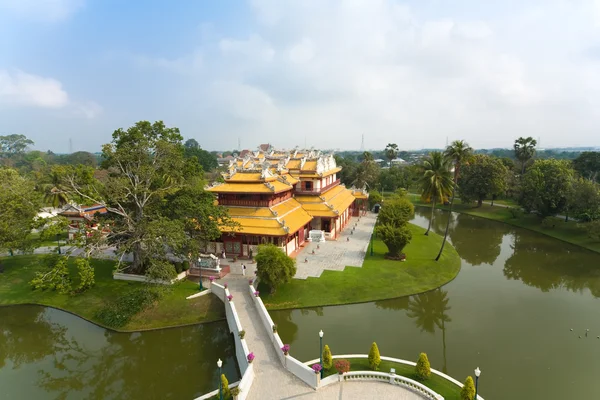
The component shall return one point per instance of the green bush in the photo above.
(374, 198)
(86, 274)
(55, 277)
(515, 212)
(327, 358)
(235, 391)
(225, 385)
(423, 368)
(185, 265)
(593, 229)
(118, 312)
(468, 390)
(374, 358)
(548, 222)
(342, 366)
(395, 238)
(178, 267)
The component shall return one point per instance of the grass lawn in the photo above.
(378, 278)
(48, 243)
(438, 384)
(570, 232)
(172, 309)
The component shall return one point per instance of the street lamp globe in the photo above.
(219, 363)
(321, 333)
(477, 372)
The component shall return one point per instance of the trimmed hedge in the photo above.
(118, 312)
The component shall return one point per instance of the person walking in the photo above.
(244, 269)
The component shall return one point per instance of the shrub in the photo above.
(374, 358)
(423, 368)
(273, 266)
(342, 366)
(327, 358)
(286, 349)
(56, 277)
(395, 238)
(374, 198)
(468, 390)
(548, 222)
(185, 265)
(593, 229)
(178, 267)
(242, 334)
(118, 312)
(250, 357)
(397, 212)
(317, 368)
(274, 328)
(225, 385)
(235, 391)
(515, 212)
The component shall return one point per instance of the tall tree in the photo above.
(146, 165)
(483, 177)
(585, 200)
(524, 151)
(273, 266)
(191, 144)
(457, 153)
(587, 165)
(14, 144)
(436, 182)
(19, 205)
(391, 151)
(546, 187)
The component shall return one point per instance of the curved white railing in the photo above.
(393, 379)
(391, 359)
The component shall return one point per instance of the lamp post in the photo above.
(321, 351)
(220, 364)
(477, 373)
(372, 242)
(58, 241)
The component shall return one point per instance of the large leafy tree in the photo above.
(587, 165)
(392, 225)
(349, 169)
(367, 172)
(205, 158)
(19, 205)
(457, 154)
(436, 181)
(546, 187)
(483, 177)
(273, 266)
(391, 151)
(524, 151)
(14, 144)
(146, 169)
(584, 203)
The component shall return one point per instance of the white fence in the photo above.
(331, 379)
(302, 371)
(241, 347)
(394, 380)
(142, 278)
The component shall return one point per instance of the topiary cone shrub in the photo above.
(327, 358)
(423, 368)
(374, 358)
(225, 385)
(468, 390)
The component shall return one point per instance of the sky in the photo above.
(319, 73)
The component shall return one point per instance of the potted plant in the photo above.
(256, 293)
(317, 368)
(230, 297)
(342, 366)
(211, 279)
(235, 392)
(225, 285)
(250, 281)
(250, 357)
(242, 334)
(274, 328)
(286, 349)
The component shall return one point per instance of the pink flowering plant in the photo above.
(230, 297)
(250, 281)
(256, 293)
(211, 278)
(317, 368)
(250, 357)
(225, 285)
(286, 349)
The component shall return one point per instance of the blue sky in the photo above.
(323, 72)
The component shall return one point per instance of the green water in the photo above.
(49, 354)
(509, 312)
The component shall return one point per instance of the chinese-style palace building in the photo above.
(280, 197)
(81, 217)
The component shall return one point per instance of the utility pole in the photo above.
(362, 143)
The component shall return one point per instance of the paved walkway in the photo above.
(334, 255)
(273, 382)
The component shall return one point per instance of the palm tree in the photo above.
(436, 182)
(524, 150)
(457, 153)
(367, 156)
(54, 193)
(391, 151)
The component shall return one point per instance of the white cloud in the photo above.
(42, 10)
(21, 89)
(338, 69)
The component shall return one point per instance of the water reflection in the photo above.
(68, 358)
(473, 247)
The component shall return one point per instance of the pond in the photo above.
(50, 354)
(509, 312)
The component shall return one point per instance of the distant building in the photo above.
(81, 217)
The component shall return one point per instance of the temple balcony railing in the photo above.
(320, 190)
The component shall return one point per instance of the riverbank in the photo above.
(569, 232)
(171, 310)
(377, 279)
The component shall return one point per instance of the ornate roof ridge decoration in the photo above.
(212, 185)
(302, 162)
(268, 184)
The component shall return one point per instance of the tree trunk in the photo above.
(137, 258)
(479, 202)
(431, 219)
(567, 216)
(447, 224)
(493, 198)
